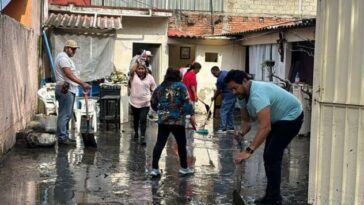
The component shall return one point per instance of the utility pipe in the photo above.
(53, 66)
(71, 10)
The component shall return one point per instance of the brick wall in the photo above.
(293, 8)
(194, 24)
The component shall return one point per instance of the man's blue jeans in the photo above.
(65, 108)
(226, 114)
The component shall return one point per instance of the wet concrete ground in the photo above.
(117, 172)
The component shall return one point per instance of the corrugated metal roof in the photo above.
(83, 21)
(287, 25)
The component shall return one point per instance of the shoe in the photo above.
(221, 131)
(155, 173)
(70, 142)
(185, 171)
(230, 130)
(152, 118)
(142, 140)
(269, 200)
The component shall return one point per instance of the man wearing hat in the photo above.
(148, 60)
(66, 89)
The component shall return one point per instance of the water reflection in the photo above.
(64, 192)
(115, 173)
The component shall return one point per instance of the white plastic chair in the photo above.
(92, 106)
(47, 97)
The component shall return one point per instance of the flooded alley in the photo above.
(117, 172)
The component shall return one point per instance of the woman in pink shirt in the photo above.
(142, 85)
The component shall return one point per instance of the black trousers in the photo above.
(140, 117)
(281, 134)
(179, 133)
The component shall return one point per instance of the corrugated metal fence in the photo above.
(337, 129)
(193, 5)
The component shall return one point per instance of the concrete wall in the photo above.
(18, 75)
(231, 55)
(174, 55)
(298, 8)
(18, 68)
(141, 30)
(20, 11)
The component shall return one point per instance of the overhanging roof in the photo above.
(284, 26)
(77, 21)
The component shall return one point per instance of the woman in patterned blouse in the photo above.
(172, 103)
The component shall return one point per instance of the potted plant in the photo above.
(268, 63)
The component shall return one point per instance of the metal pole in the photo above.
(53, 66)
(270, 66)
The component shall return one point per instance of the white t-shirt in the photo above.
(63, 61)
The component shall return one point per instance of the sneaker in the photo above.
(142, 140)
(269, 200)
(185, 171)
(69, 142)
(230, 130)
(155, 173)
(153, 118)
(221, 131)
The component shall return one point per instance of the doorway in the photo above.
(155, 61)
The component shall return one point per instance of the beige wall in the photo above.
(18, 78)
(298, 8)
(174, 55)
(141, 30)
(230, 56)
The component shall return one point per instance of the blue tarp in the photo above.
(3, 4)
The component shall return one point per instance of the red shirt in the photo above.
(189, 79)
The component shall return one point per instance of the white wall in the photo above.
(141, 30)
(231, 56)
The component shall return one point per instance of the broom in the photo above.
(208, 153)
(88, 135)
(202, 130)
(237, 199)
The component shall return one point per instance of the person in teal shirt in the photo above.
(280, 116)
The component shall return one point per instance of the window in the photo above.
(211, 57)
